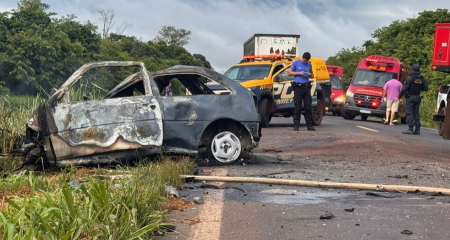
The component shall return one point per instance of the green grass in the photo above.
(94, 209)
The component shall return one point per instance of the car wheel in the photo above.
(441, 125)
(364, 117)
(264, 113)
(346, 115)
(317, 113)
(225, 147)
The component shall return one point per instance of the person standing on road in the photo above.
(414, 85)
(302, 70)
(392, 88)
(169, 90)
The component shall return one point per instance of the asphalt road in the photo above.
(339, 151)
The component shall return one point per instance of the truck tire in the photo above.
(346, 115)
(264, 113)
(441, 125)
(317, 113)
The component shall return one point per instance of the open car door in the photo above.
(128, 120)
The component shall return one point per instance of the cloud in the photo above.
(219, 28)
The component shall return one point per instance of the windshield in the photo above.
(336, 82)
(371, 78)
(248, 72)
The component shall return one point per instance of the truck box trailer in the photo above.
(270, 44)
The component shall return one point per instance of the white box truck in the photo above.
(268, 44)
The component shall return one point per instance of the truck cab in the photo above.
(266, 76)
(441, 63)
(337, 89)
(363, 96)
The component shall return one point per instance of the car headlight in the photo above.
(349, 93)
(339, 99)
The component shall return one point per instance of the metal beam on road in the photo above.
(366, 128)
(360, 186)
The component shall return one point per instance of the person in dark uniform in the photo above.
(302, 70)
(414, 85)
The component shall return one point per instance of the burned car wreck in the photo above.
(84, 122)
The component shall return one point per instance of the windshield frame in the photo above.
(248, 72)
(367, 77)
(336, 79)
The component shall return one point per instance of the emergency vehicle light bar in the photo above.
(263, 56)
(381, 59)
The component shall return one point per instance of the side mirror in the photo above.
(277, 78)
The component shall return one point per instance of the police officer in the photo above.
(302, 70)
(414, 84)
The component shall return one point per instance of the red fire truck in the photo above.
(337, 89)
(363, 96)
(441, 63)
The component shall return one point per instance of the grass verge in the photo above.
(70, 205)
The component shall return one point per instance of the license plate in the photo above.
(364, 111)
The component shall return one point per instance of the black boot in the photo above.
(416, 132)
(311, 128)
(296, 127)
(409, 131)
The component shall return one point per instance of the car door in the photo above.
(94, 127)
(283, 93)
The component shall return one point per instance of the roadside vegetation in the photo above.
(75, 204)
(409, 40)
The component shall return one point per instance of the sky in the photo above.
(219, 28)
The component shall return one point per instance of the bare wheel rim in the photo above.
(226, 147)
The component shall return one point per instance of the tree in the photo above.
(107, 18)
(173, 36)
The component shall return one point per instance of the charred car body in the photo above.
(134, 119)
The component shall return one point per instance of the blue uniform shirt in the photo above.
(299, 66)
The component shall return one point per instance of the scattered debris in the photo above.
(280, 191)
(379, 195)
(207, 171)
(112, 177)
(357, 224)
(186, 221)
(398, 176)
(172, 191)
(349, 209)
(177, 204)
(198, 200)
(272, 150)
(407, 232)
(327, 215)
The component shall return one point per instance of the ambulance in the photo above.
(363, 96)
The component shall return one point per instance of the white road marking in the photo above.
(368, 129)
(210, 213)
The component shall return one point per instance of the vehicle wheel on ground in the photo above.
(345, 115)
(264, 112)
(317, 113)
(364, 117)
(225, 147)
(441, 125)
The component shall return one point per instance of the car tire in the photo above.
(364, 117)
(317, 113)
(264, 113)
(346, 115)
(225, 147)
(441, 125)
